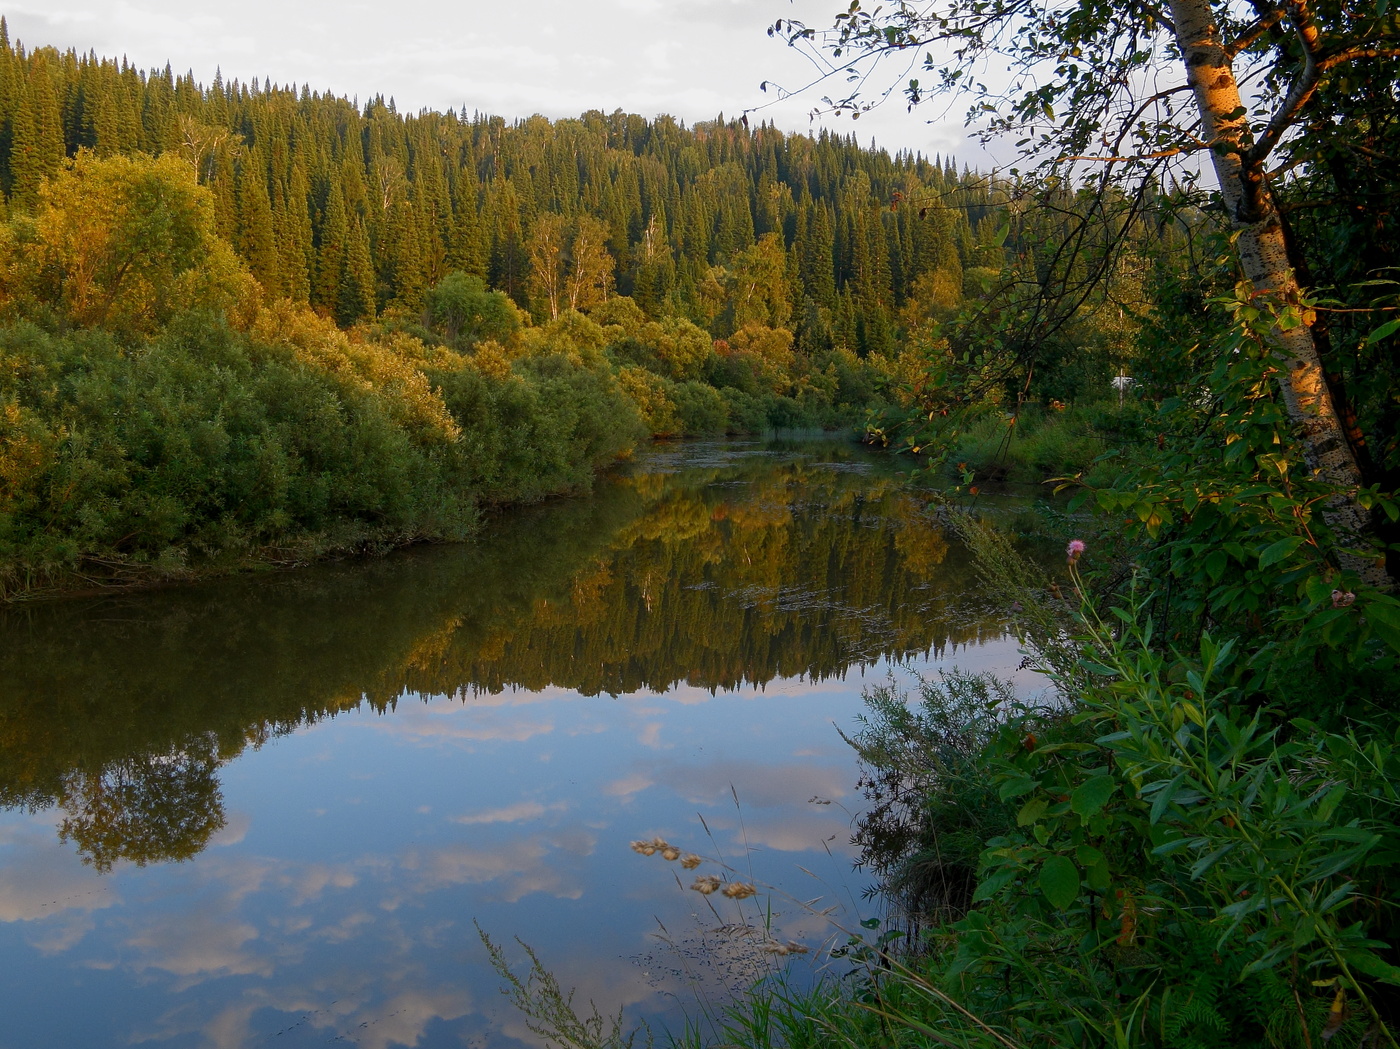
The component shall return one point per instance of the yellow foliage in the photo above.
(123, 243)
(648, 392)
(26, 450)
(572, 334)
(390, 373)
(770, 350)
(908, 367)
(683, 347)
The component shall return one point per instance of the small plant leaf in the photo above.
(1092, 795)
(1386, 330)
(1377, 968)
(1059, 880)
(1164, 797)
(1276, 552)
(1031, 811)
(993, 884)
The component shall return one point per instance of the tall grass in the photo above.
(1042, 443)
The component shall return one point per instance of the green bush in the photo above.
(206, 445)
(701, 409)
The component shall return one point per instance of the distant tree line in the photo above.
(356, 210)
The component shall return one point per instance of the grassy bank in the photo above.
(1042, 443)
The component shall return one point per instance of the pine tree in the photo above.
(334, 235)
(357, 282)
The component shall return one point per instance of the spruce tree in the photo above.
(357, 282)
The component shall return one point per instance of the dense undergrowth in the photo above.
(1095, 439)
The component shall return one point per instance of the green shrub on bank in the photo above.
(206, 445)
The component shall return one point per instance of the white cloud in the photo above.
(516, 813)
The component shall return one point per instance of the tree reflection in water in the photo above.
(716, 568)
(148, 808)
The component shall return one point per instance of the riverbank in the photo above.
(1094, 441)
(1177, 843)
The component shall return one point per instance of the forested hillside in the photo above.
(358, 209)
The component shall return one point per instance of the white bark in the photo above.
(1264, 259)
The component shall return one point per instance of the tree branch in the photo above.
(1302, 90)
(1262, 25)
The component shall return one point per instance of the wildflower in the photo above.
(1016, 606)
(690, 861)
(1074, 550)
(670, 852)
(706, 884)
(1342, 598)
(739, 890)
(646, 848)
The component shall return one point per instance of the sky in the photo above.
(692, 59)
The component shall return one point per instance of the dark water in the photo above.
(268, 811)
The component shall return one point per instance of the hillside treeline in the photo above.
(358, 209)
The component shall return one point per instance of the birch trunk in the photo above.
(1264, 260)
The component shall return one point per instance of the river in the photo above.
(269, 810)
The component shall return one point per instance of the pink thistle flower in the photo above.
(1075, 548)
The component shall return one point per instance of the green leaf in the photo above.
(1031, 811)
(1016, 787)
(1059, 880)
(1164, 797)
(1363, 961)
(1097, 668)
(1098, 876)
(1389, 328)
(1331, 801)
(1276, 552)
(1092, 795)
(1088, 856)
(1205, 863)
(1384, 617)
(993, 884)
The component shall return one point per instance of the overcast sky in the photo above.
(692, 59)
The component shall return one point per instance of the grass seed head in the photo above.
(706, 884)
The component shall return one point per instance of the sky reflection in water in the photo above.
(355, 762)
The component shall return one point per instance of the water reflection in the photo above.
(471, 732)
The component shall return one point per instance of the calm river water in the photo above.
(268, 811)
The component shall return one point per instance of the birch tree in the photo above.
(1114, 92)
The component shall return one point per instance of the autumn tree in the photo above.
(122, 243)
(546, 249)
(590, 266)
